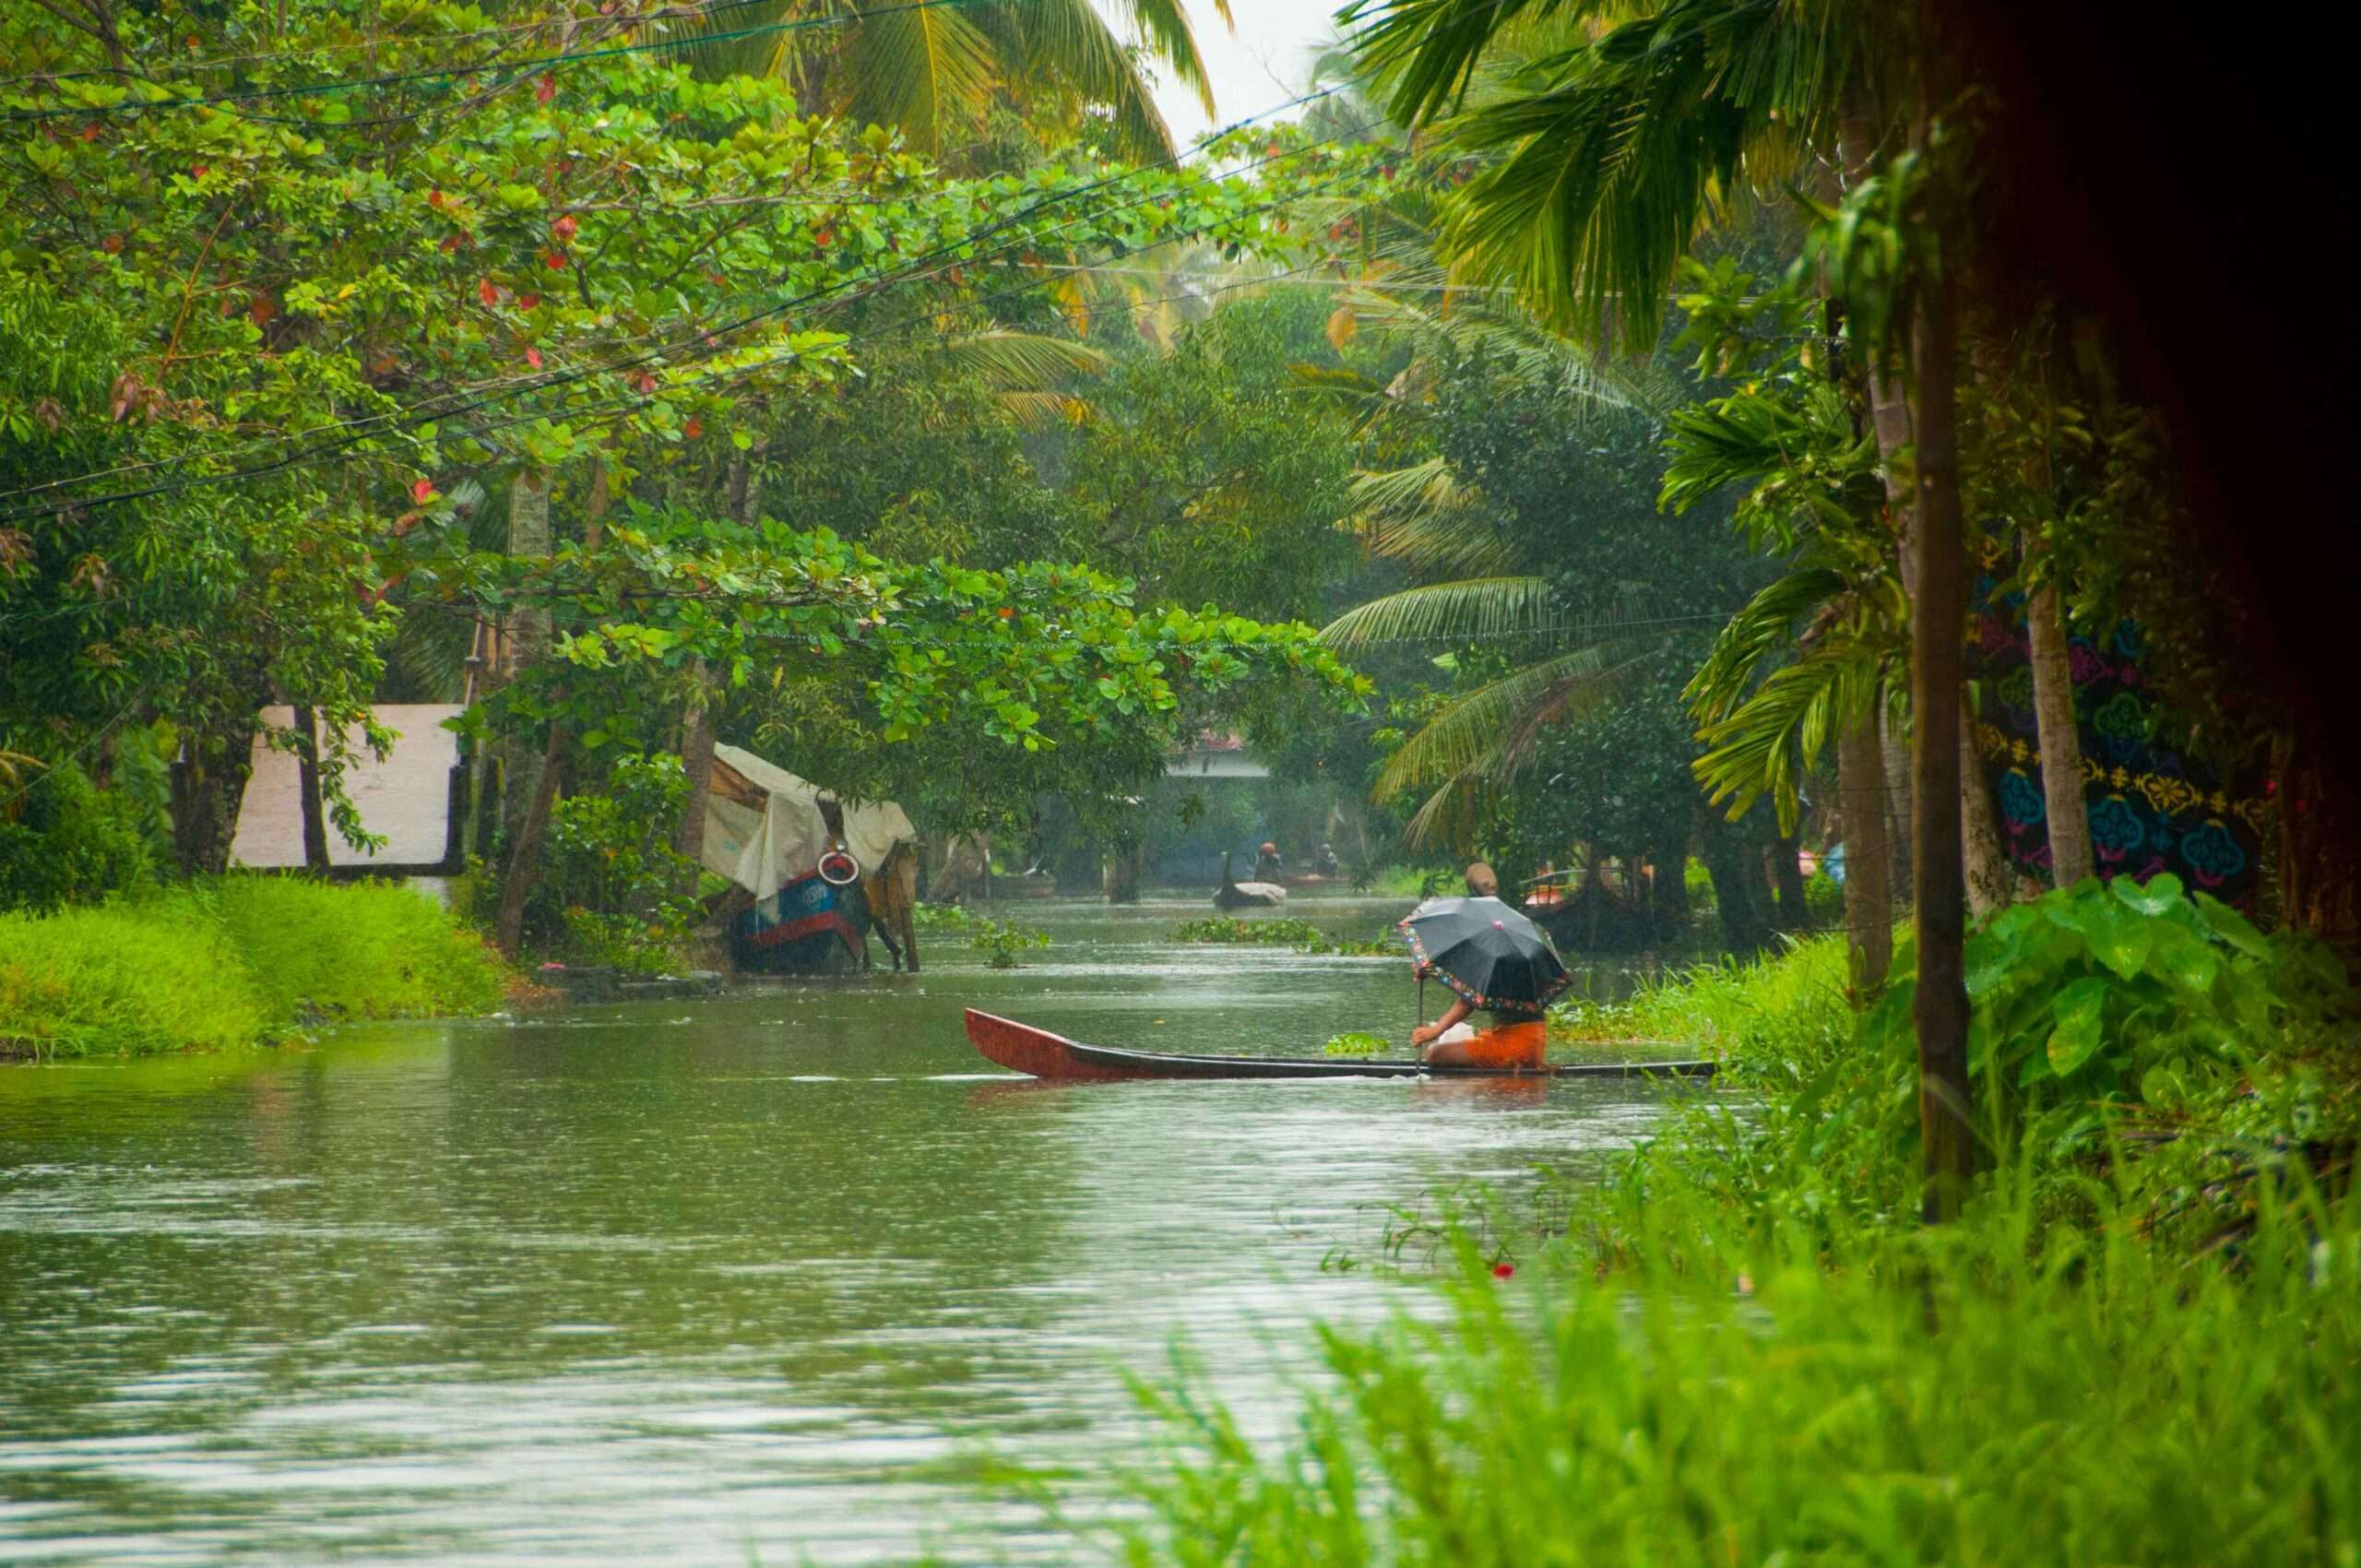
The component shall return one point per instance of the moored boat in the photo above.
(1022, 1047)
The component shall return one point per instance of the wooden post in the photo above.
(307, 789)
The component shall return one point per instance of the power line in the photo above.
(913, 268)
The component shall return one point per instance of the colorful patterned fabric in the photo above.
(2153, 807)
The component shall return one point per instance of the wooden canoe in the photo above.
(1021, 1047)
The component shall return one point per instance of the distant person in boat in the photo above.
(1266, 863)
(1495, 960)
(1324, 862)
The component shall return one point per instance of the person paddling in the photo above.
(1494, 960)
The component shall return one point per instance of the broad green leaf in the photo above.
(2080, 1011)
(2159, 896)
(2230, 926)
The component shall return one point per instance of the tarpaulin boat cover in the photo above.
(763, 826)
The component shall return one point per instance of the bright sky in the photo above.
(1263, 64)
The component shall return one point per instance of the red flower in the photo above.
(532, 356)
(554, 261)
(488, 291)
(564, 229)
(528, 302)
(1503, 1270)
(694, 428)
(198, 170)
(421, 491)
(1005, 612)
(546, 88)
(450, 245)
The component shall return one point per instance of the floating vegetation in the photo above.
(1285, 931)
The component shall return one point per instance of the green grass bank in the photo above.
(2142, 1343)
(229, 962)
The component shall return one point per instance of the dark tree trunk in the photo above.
(1668, 897)
(1868, 860)
(1938, 690)
(1744, 929)
(307, 780)
(1787, 876)
(1119, 876)
(525, 849)
(209, 786)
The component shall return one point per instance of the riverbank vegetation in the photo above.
(228, 962)
(2139, 1341)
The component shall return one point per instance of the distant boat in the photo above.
(1233, 895)
(767, 831)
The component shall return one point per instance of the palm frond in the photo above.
(1482, 737)
(1478, 608)
(1770, 742)
(1044, 410)
(1422, 52)
(1611, 155)
(924, 70)
(1023, 361)
(1757, 637)
(1067, 45)
(1163, 26)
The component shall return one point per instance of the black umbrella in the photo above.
(1487, 952)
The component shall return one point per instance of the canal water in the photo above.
(787, 1275)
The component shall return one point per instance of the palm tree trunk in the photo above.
(1938, 684)
(696, 769)
(527, 636)
(2071, 859)
(1991, 886)
(1869, 856)
(1895, 753)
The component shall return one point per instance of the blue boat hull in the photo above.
(807, 928)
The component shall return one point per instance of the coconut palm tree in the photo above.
(1609, 157)
(934, 70)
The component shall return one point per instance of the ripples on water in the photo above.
(765, 1277)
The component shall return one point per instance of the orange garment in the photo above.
(1520, 1046)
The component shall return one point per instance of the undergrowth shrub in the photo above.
(71, 843)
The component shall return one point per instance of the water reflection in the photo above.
(764, 1275)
